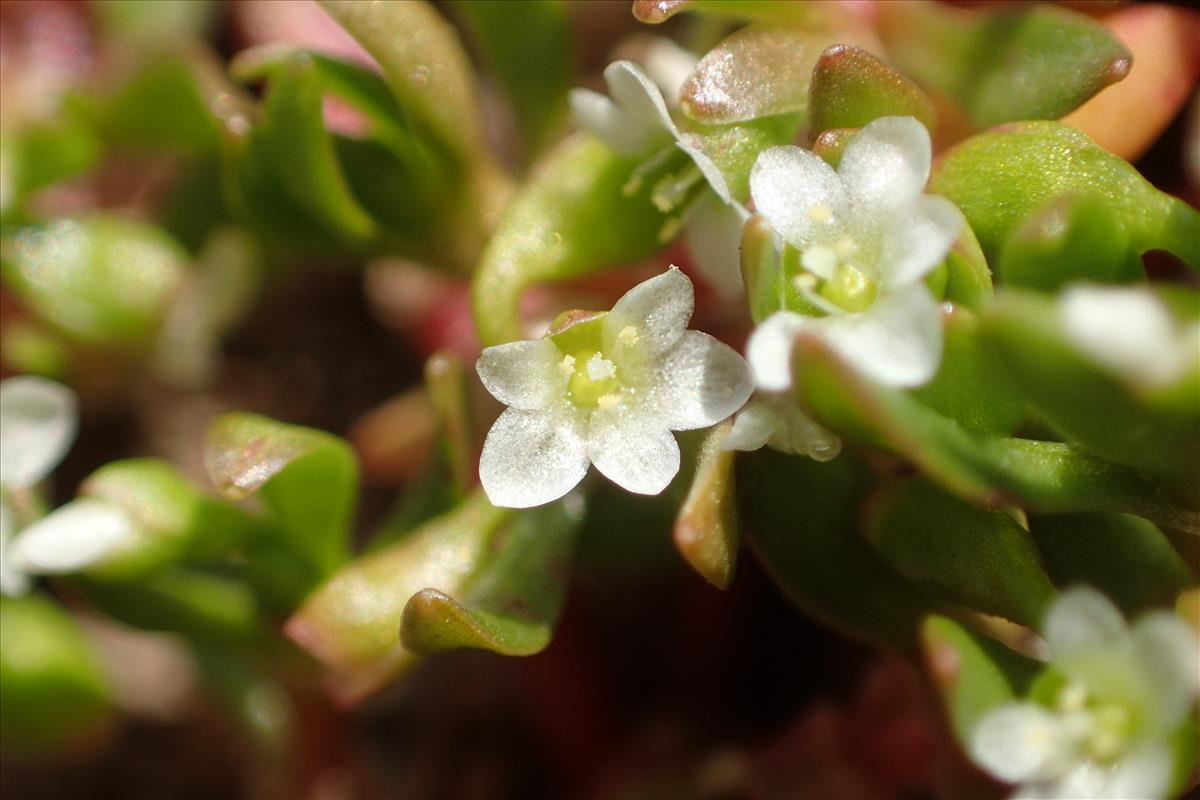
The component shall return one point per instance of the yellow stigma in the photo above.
(850, 288)
(820, 213)
(628, 335)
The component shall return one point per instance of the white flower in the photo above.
(607, 390)
(38, 422)
(866, 237)
(1125, 693)
(635, 120)
(777, 421)
(1129, 331)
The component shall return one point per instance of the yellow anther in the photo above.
(820, 213)
(845, 247)
(567, 366)
(607, 401)
(628, 335)
(600, 368)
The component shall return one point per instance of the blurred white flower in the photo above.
(866, 237)
(606, 390)
(634, 120)
(778, 422)
(1125, 692)
(38, 422)
(1129, 331)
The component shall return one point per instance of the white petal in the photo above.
(799, 194)
(714, 237)
(522, 374)
(1144, 774)
(699, 382)
(769, 350)
(658, 309)
(1082, 619)
(38, 420)
(1126, 330)
(799, 433)
(1021, 742)
(897, 341)
(632, 88)
(13, 582)
(531, 457)
(639, 459)
(669, 66)
(74, 536)
(1168, 658)
(618, 129)
(752, 427)
(885, 166)
(917, 240)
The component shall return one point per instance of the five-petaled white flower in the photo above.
(866, 237)
(38, 421)
(607, 389)
(635, 120)
(1124, 693)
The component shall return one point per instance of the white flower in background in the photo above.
(1125, 692)
(777, 421)
(1129, 331)
(866, 237)
(38, 422)
(608, 391)
(635, 120)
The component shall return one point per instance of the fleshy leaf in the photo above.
(171, 519)
(1152, 429)
(511, 602)
(814, 552)
(654, 12)
(976, 556)
(986, 469)
(706, 529)
(1004, 63)
(1074, 238)
(51, 683)
(972, 386)
(572, 217)
(762, 273)
(734, 148)
(1001, 178)
(485, 555)
(974, 674)
(851, 87)
(527, 45)
(1126, 558)
(307, 478)
(101, 280)
(758, 71)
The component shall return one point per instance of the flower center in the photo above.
(1101, 729)
(591, 379)
(833, 279)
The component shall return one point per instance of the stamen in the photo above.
(819, 260)
(600, 368)
(672, 189)
(607, 401)
(820, 213)
(628, 335)
(845, 247)
(806, 285)
(649, 165)
(670, 230)
(567, 366)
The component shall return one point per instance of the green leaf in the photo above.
(735, 147)
(512, 601)
(100, 280)
(198, 605)
(989, 470)
(979, 557)
(156, 24)
(973, 674)
(850, 87)
(1074, 238)
(51, 684)
(307, 479)
(972, 386)
(1156, 430)
(1004, 63)
(968, 277)
(48, 152)
(491, 558)
(571, 217)
(526, 43)
(1126, 558)
(1003, 177)
(810, 547)
(172, 520)
(760, 70)
(706, 528)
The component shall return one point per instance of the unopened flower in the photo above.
(866, 238)
(38, 421)
(1121, 695)
(635, 120)
(606, 390)
(1129, 331)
